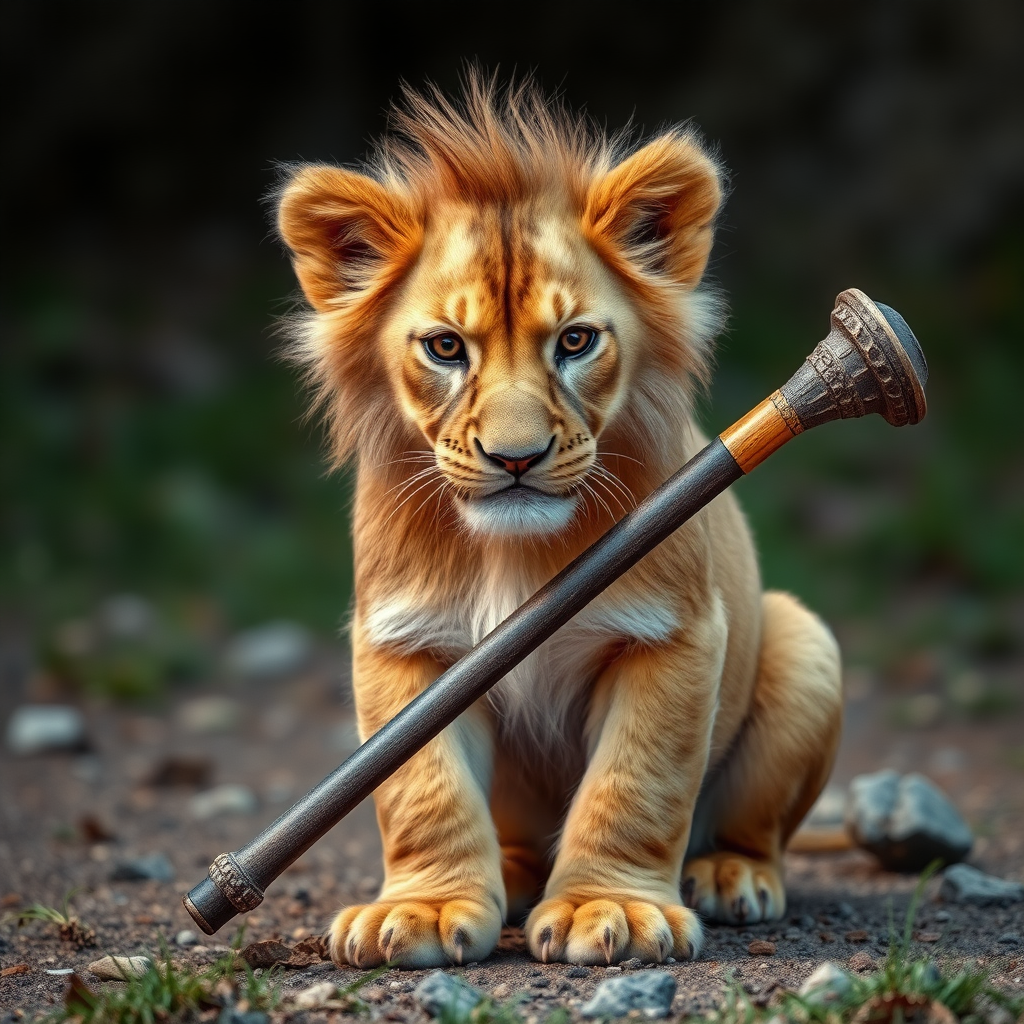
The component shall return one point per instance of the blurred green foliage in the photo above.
(217, 506)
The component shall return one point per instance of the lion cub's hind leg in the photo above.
(775, 771)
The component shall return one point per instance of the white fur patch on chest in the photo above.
(539, 697)
(409, 627)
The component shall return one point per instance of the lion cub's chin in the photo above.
(517, 511)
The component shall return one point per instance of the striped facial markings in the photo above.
(509, 283)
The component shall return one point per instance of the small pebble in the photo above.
(862, 962)
(40, 728)
(613, 970)
(845, 911)
(1011, 938)
(501, 991)
(315, 996)
(963, 884)
(540, 983)
(151, 867)
(826, 984)
(61, 970)
(761, 947)
(395, 986)
(648, 994)
(117, 968)
(942, 916)
(441, 993)
(578, 972)
(186, 938)
(228, 799)
(671, 960)
(632, 963)
(793, 935)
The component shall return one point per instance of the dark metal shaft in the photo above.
(870, 362)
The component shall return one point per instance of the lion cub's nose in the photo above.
(516, 462)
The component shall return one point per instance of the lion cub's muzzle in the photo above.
(515, 460)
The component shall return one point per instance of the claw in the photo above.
(609, 949)
(385, 943)
(762, 899)
(545, 944)
(459, 938)
(741, 908)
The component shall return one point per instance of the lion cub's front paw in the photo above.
(606, 931)
(415, 933)
(734, 889)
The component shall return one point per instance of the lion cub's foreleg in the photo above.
(443, 898)
(777, 767)
(614, 887)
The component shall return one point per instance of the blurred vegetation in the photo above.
(152, 444)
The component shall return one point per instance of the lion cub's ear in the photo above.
(345, 231)
(655, 210)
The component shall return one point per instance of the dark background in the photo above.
(151, 442)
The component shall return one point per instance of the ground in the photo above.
(67, 819)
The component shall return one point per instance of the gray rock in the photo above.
(228, 799)
(578, 972)
(1010, 938)
(186, 938)
(152, 866)
(210, 715)
(650, 992)
(41, 728)
(275, 649)
(906, 822)
(118, 968)
(963, 884)
(826, 985)
(439, 990)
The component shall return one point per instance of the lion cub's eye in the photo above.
(445, 348)
(574, 341)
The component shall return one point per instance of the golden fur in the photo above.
(505, 333)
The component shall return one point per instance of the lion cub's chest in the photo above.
(538, 696)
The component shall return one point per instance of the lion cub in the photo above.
(505, 333)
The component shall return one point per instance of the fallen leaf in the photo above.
(15, 969)
(315, 945)
(759, 947)
(79, 999)
(265, 954)
(273, 952)
(11, 899)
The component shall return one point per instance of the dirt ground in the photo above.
(66, 821)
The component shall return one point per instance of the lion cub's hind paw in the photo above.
(733, 889)
(607, 931)
(415, 933)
